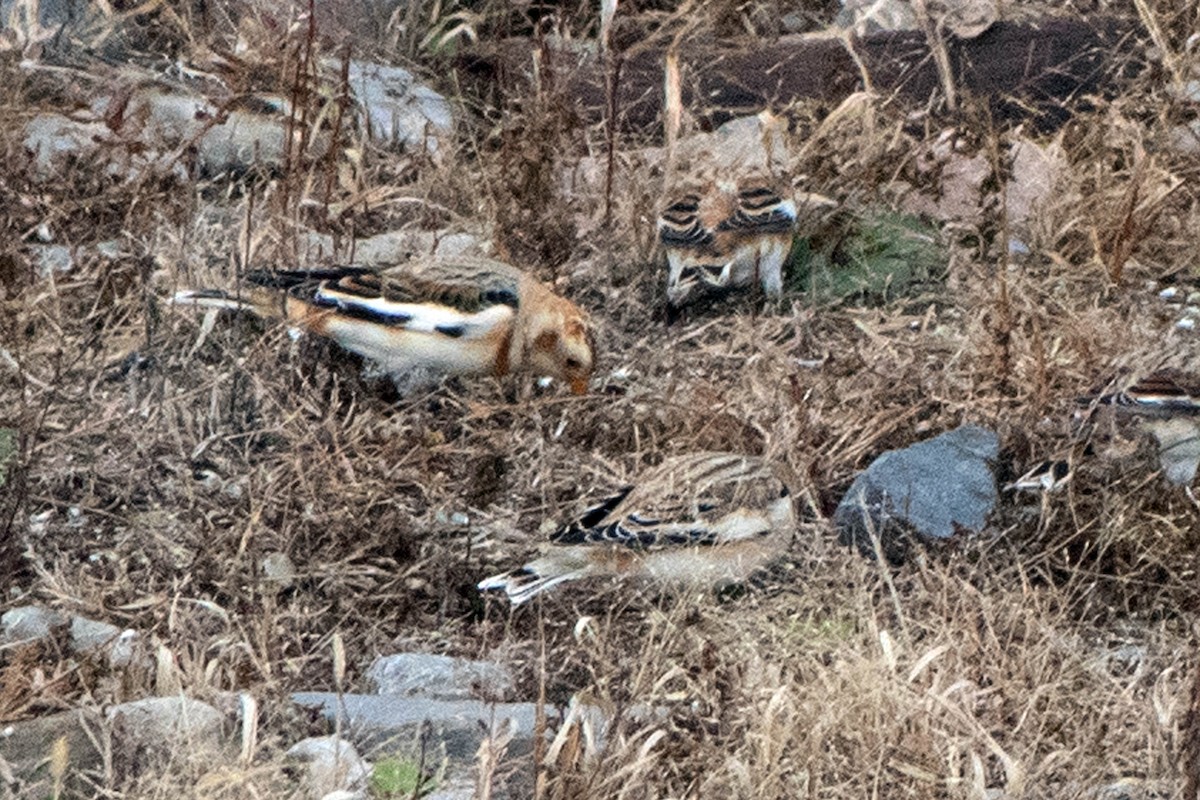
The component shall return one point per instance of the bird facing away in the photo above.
(725, 234)
(698, 519)
(448, 316)
(727, 213)
(1168, 403)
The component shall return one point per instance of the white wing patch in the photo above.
(420, 317)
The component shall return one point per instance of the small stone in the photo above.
(1184, 138)
(246, 140)
(1037, 171)
(966, 19)
(793, 22)
(334, 766)
(1169, 293)
(89, 635)
(453, 789)
(440, 677)
(124, 650)
(278, 569)
(110, 249)
(51, 259)
(873, 16)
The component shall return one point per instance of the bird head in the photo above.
(561, 346)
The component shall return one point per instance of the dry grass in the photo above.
(1048, 657)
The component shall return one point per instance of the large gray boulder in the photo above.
(930, 490)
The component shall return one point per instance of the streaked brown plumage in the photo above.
(701, 518)
(1163, 393)
(725, 234)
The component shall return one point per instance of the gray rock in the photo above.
(111, 249)
(85, 636)
(457, 726)
(1036, 181)
(278, 570)
(1178, 447)
(25, 744)
(873, 16)
(1130, 789)
(244, 141)
(932, 489)
(50, 14)
(54, 141)
(29, 623)
(965, 19)
(398, 109)
(167, 119)
(173, 723)
(88, 635)
(51, 259)
(1184, 139)
(441, 677)
(334, 765)
(126, 649)
(408, 726)
(394, 247)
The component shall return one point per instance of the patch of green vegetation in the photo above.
(396, 777)
(868, 258)
(8, 452)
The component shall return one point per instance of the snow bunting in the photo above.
(1047, 476)
(1165, 393)
(458, 316)
(1168, 404)
(701, 519)
(725, 234)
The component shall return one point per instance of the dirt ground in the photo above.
(161, 462)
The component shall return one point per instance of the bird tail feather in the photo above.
(525, 583)
(264, 303)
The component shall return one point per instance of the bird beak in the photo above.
(579, 385)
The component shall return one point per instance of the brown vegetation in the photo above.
(163, 460)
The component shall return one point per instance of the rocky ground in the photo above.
(243, 564)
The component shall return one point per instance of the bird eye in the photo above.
(574, 363)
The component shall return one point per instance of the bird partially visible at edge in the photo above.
(699, 519)
(1167, 402)
(460, 316)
